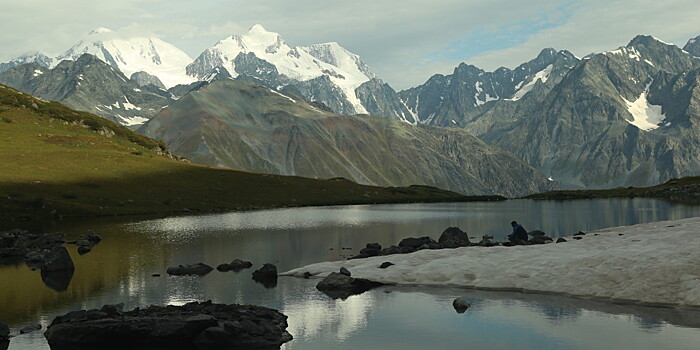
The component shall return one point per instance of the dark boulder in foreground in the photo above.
(198, 269)
(337, 285)
(235, 265)
(460, 305)
(416, 243)
(193, 325)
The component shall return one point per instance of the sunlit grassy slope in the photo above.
(57, 161)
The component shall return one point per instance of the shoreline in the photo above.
(653, 264)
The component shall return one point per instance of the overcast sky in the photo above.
(405, 42)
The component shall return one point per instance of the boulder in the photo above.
(540, 239)
(30, 328)
(57, 259)
(561, 240)
(336, 285)
(193, 325)
(198, 269)
(485, 243)
(536, 233)
(415, 243)
(460, 305)
(266, 275)
(235, 265)
(454, 236)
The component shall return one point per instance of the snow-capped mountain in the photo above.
(133, 54)
(38, 58)
(327, 73)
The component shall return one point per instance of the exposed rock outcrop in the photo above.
(200, 325)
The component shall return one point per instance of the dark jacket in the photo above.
(519, 232)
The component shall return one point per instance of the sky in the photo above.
(403, 42)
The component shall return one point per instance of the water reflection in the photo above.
(119, 269)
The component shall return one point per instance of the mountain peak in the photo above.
(258, 28)
(647, 40)
(100, 30)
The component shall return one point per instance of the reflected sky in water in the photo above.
(119, 269)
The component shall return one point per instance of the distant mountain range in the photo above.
(242, 125)
(326, 73)
(626, 117)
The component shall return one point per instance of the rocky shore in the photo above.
(200, 325)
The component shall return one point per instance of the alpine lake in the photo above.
(120, 268)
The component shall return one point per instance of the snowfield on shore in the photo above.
(656, 264)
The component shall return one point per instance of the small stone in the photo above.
(577, 238)
(561, 240)
(345, 271)
(460, 305)
(307, 274)
(155, 275)
(385, 264)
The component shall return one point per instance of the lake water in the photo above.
(119, 269)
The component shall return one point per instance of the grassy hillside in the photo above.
(685, 189)
(55, 161)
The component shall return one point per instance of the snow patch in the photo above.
(542, 75)
(136, 120)
(37, 73)
(646, 116)
(650, 263)
(283, 95)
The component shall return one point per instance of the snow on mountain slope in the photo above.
(542, 75)
(645, 115)
(344, 69)
(134, 54)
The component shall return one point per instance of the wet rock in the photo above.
(266, 271)
(198, 269)
(540, 239)
(385, 264)
(235, 265)
(193, 325)
(57, 259)
(345, 271)
(266, 275)
(416, 243)
(91, 236)
(336, 285)
(453, 237)
(30, 328)
(83, 249)
(460, 305)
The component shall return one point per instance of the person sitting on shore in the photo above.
(519, 235)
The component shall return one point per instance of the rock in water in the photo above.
(199, 269)
(57, 259)
(337, 285)
(453, 237)
(199, 325)
(460, 305)
(235, 265)
(266, 275)
(30, 328)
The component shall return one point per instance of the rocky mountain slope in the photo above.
(625, 117)
(60, 162)
(88, 84)
(242, 125)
